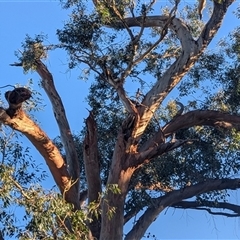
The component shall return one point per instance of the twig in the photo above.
(8, 86)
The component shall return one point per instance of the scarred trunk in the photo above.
(91, 163)
(112, 226)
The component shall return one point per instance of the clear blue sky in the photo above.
(18, 18)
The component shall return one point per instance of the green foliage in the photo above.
(110, 11)
(33, 50)
(79, 32)
(49, 217)
(17, 170)
(113, 188)
(44, 214)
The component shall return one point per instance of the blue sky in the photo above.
(19, 18)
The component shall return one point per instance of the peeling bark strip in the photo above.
(91, 163)
(64, 128)
(22, 123)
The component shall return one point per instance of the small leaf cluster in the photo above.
(32, 50)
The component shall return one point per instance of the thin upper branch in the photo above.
(191, 50)
(207, 205)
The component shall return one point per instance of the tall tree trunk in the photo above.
(112, 225)
(92, 169)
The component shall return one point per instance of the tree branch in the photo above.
(160, 203)
(214, 22)
(191, 50)
(190, 119)
(210, 204)
(60, 116)
(202, 117)
(22, 123)
(131, 214)
(157, 150)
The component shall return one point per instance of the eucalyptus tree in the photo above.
(138, 153)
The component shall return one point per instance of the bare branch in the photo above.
(128, 104)
(159, 204)
(60, 115)
(157, 150)
(214, 22)
(164, 32)
(210, 204)
(176, 25)
(202, 117)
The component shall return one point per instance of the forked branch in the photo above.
(160, 203)
(191, 50)
(155, 146)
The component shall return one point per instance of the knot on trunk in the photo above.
(15, 99)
